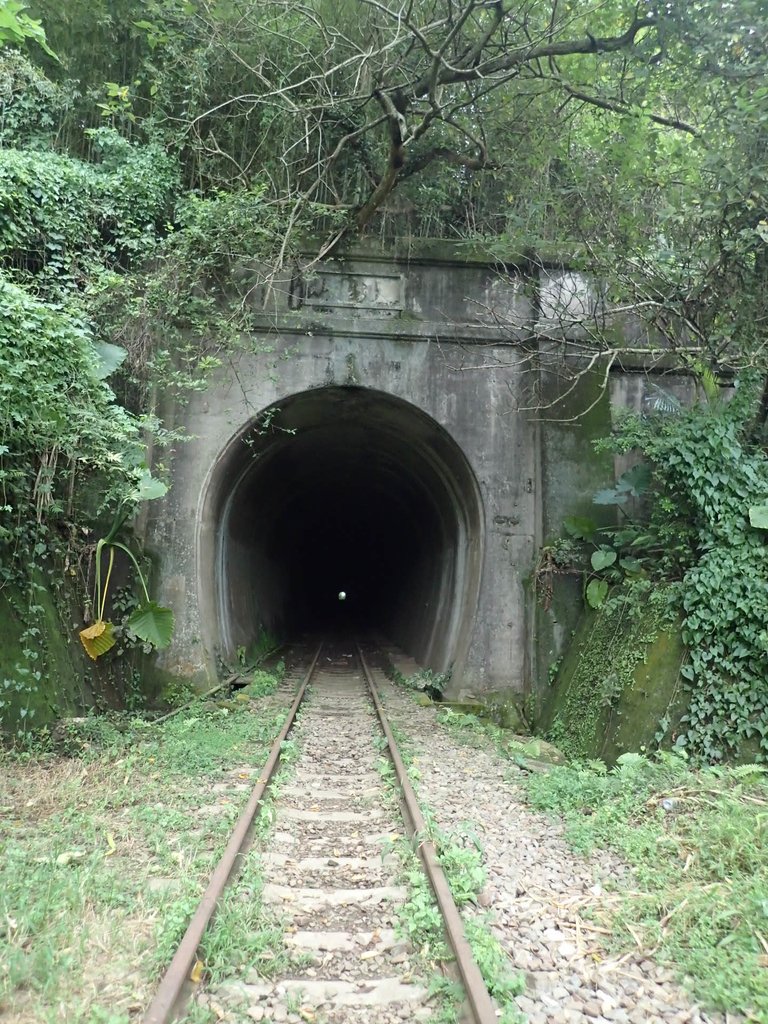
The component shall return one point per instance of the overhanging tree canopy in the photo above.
(627, 137)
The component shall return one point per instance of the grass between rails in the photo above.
(696, 842)
(246, 937)
(105, 855)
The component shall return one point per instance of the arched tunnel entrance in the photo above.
(344, 489)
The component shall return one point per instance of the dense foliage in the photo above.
(62, 221)
(692, 534)
(57, 417)
(150, 148)
(707, 475)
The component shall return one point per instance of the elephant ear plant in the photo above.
(150, 622)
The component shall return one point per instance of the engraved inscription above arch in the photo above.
(328, 289)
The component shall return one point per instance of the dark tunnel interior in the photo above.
(348, 490)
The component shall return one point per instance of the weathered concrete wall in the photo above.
(442, 335)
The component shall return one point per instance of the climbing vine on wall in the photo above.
(707, 474)
(109, 283)
(68, 455)
(58, 418)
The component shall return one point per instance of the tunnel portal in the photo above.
(345, 489)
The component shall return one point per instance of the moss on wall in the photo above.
(619, 686)
(651, 705)
(42, 672)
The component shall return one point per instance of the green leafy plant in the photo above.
(425, 680)
(700, 526)
(461, 857)
(264, 682)
(615, 555)
(149, 621)
(16, 26)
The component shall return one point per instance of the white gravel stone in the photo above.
(546, 896)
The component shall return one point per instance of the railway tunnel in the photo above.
(345, 489)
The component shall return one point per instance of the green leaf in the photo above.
(758, 517)
(98, 638)
(632, 483)
(611, 497)
(152, 623)
(631, 758)
(579, 526)
(636, 480)
(644, 538)
(16, 26)
(109, 357)
(597, 591)
(602, 558)
(149, 488)
(632, 565)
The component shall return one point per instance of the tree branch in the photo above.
(508, 61)
(620, 107)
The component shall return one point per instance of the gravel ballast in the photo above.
(542, 898)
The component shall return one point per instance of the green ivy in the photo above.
(62, 221)
(108, 283)
(31, 105)
(69, 454)
(706, 476)
(58, 420)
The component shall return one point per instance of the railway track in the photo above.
(326, 875)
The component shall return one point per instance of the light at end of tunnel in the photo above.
(342, 595)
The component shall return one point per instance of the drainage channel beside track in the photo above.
(329, 877)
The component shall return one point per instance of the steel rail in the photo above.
(172, 989)
(478, 996)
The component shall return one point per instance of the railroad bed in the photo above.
(330, 875)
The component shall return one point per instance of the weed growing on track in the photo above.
(264, 682)
(460, 857)
(105, 856)
(199, 1014)
(696, 843)
(418, 919)
(245, 934)
(419, 923)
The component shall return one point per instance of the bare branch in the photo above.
(621, 107)
(526, 55)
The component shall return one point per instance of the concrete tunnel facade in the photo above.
(345, 488)
(383, 429)
(364, 437)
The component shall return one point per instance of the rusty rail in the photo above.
(477, 994)
(174, 986)
(171, 991)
